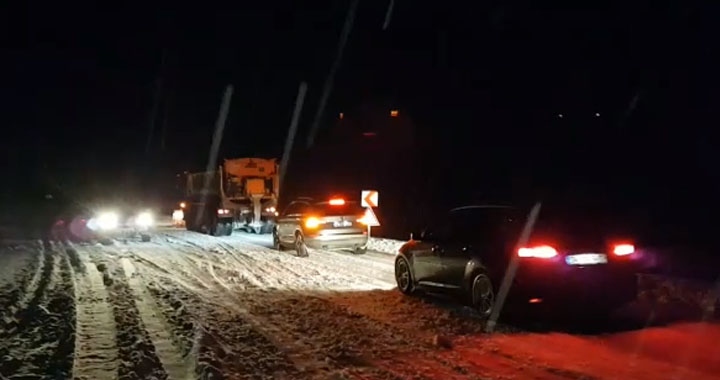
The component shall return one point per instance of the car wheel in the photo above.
(482, 294)
(403, 277)
(276, 242)
(360, 250)
(300, 246)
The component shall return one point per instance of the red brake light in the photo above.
(541, 252)
(623, 249)
(337, 202)
(223, 211)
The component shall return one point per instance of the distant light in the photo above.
(369, 134)
(535, 300)
(144, 219)
(178, 215)
(560, 115)
(597, 114)
(337, 202)
(182, 205)
(341, 115)
(393, 113)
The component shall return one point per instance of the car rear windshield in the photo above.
(326, 209)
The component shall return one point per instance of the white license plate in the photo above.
(342, 223)
(586, 259)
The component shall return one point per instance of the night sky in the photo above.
(480, 88)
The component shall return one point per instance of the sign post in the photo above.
(369, 199)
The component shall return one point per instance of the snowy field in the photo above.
(187, 306)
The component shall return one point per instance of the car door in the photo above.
(480, 235)
(466, 241)
(426, 255)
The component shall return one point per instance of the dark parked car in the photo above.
(469, 250)
(333, 224)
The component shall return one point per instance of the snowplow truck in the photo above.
(241, 194)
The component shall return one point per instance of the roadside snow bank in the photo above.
(389, 246)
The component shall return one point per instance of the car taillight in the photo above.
(312, 222)
(223, 211)
(541, 252)
(623, 249)
(337, 202)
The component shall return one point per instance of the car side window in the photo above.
(302, 208)
(290, 209)
(439, 231)
(486, 226)
(296, 208)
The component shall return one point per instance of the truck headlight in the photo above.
(144, 219)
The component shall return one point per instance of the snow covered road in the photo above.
(187, 306)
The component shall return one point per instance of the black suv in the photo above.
(468, 251)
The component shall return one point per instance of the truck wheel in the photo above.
(228, 228)
(216, 229)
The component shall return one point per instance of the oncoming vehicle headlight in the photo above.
(107, 220)
(144, 219)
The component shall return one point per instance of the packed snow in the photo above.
(187, 306)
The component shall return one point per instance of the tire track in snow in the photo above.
(226, 343)
(138, 357)
(318, 275)
(285, 265)
(57, 257)
(14, 291)
(248, 277)
(38, 341)
(32, 287)
(182, 267)
(321, 271)
(96, 352)
(171, 357)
